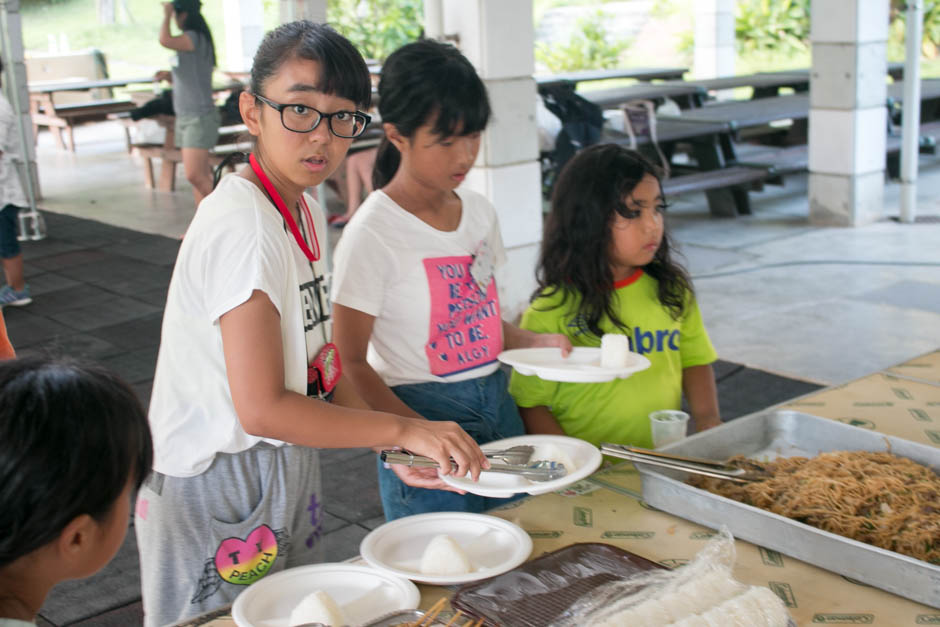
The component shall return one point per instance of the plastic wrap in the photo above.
(537, 592)
(702, 593)
(603, 586)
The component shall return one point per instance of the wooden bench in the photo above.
(71, 89)
(67, 116)
(779, 162)
(736, 179)
(795, 159)
(169, 155)
(688, 95)
(926, 145)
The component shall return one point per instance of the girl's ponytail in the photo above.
(195, 21)
(386, 164)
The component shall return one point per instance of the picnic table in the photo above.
(710, 130)
(895, 70)
(82, 84)
(231, 140)
(724, 182)
(769, 84)
(640, 74)
(168, 155)
(608, 507)
(46, 112)
(741, 114)
(764, 84)
(929, 100)
(687, 94)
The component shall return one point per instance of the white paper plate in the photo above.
(583, 365)
(362, 592)
(493, 545)
(586, 458)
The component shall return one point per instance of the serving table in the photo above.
(608, 507)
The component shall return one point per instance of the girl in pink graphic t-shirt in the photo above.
(416, 307)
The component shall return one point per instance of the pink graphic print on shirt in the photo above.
(465, 330)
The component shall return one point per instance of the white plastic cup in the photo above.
(668, 426)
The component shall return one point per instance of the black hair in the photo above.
(343, 70)
(195, 21)
(574, 255)
(422, 81)
(71, 435)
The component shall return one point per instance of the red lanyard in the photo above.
(311, 255)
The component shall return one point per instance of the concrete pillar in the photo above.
(12, 50)
(498, 37)
(848, 117)
(433, 19)
(714, 38)
(244, 28)
(290, 10)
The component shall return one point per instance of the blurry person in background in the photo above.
(12, 198)
(197, 117)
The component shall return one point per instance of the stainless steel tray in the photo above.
(774, 434)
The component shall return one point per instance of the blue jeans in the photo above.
(9, 246)
(483, 408)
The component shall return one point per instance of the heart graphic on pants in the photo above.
(246, 561)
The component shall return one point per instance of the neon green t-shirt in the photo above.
(617, 411)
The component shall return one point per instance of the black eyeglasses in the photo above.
(300, 118)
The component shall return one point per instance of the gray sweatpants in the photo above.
(204, 539)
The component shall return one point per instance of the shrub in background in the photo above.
(590, 47)
(377, 27)
(780, 25)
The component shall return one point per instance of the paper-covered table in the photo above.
(607, 507)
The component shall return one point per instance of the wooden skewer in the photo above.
(428, 619)
(453, 618)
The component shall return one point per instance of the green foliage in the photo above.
(932, 22)
(377, 27)
(667, 8)
(590, 47)
(781, 25)
(685, 42)
(896, 35)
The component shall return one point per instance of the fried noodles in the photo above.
(888, 501)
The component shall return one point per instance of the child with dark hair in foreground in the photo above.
(74, 447)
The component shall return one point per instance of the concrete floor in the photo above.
(821, 304)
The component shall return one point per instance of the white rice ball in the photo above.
(318, 607)
(443, 556)
(615, 350)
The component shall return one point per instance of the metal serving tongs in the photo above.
(539, 470)
(694, 465)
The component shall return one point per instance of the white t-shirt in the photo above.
(236, 243)
(11, 186)
(432, 321)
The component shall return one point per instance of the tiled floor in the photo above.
(788, 306)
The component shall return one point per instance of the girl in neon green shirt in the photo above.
(606, 267)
